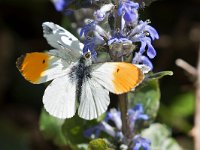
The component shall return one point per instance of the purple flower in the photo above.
(141, 59)
(145, 43)
(129, 9)
(140, 142)
(89, 45)
(59, 4)
(115, 116)
(93, 132)
(118, 39)
(87, 28)
(143, 27)
(99, 15)
(136, 114)
(133, 114)
(140, 34)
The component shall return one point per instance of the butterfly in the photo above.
(77, 82)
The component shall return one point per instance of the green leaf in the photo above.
(148, 94)
(73, 129)
(98, 144)
(51, 128)
(180, 110)
(159, 135)
(159, 75)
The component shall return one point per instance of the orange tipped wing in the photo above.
(118, 77)
(41, 67)
(32, 65)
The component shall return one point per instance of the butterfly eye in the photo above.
(87, 55)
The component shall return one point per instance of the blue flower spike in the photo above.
(59, 4)
(89, 45)
(141, 59)
(87, 28)
(140, 142)
(99, 15)
(93, 132)
(128, 9)
(137, 113)
(116, 132)
(115, 116)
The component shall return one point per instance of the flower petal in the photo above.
(151, 52)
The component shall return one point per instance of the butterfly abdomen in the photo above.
(79, 74)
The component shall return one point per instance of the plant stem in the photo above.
(123, 105)
(117, 17)
(197, 112)
(122, 98)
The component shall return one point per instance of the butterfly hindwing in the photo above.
(60, 38)
(60, 98)
(40, 67)
(94, 99)
(117, 77)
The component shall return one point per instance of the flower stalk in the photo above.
(122, 98)
(123, 106)
(118, 18)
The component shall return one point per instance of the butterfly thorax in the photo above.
(80, 73)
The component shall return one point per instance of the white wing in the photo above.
(60, 38)
(58, 64)
(94, 100)
(117, 77)
(60, 98)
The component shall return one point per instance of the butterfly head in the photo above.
(87, 55)
(88, 59)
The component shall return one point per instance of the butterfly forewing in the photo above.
(60, 38)
(39, 67)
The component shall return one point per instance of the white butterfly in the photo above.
(77, 83)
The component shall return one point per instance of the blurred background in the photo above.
(178, 24)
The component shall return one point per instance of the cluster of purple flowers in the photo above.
(132, 31)
(114, 116)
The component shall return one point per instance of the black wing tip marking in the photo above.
(47, 29)
(20, 61)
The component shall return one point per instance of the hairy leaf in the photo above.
(148, 95)
(160, 137)
(51, 128)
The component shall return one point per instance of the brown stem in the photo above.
(122, 98)
(197, 112)
(117, 17)
(123, 104)
(187, 67)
